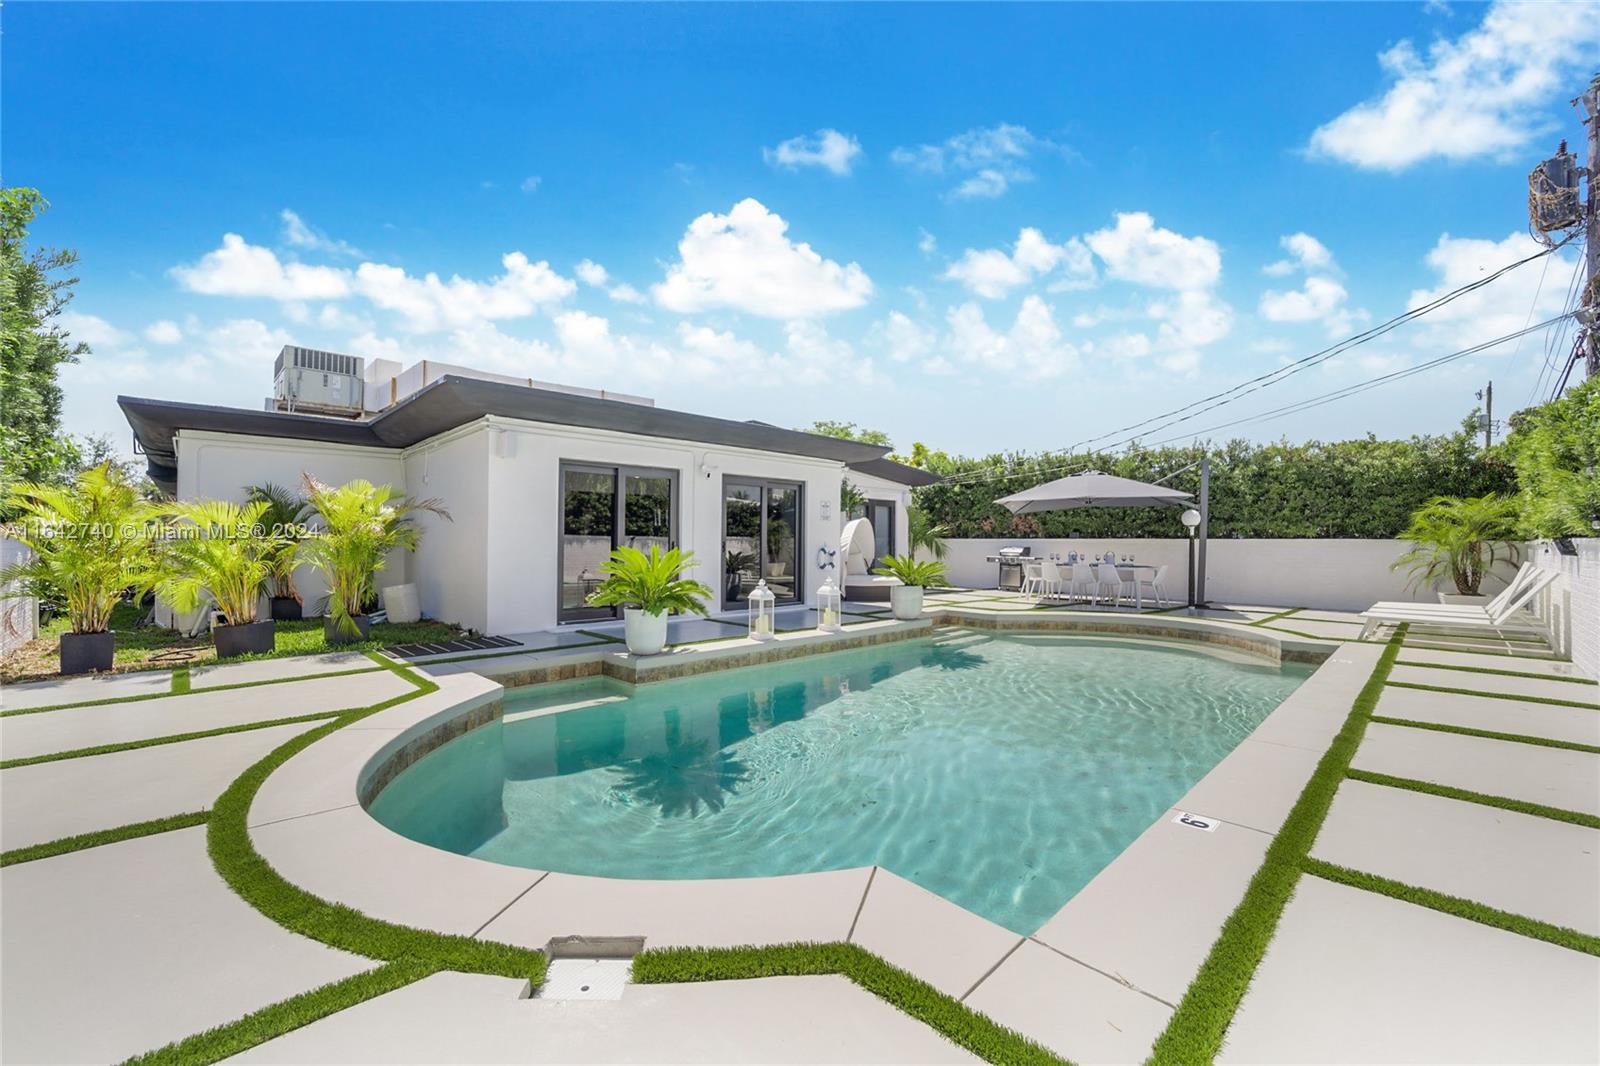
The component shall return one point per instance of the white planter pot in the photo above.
(906, 602)
(646, 634)
(1456, 597)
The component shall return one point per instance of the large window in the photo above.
(760, 539)
(603, 507)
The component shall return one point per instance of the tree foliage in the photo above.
(1460, 539)
(1556, 451)
(850, 431)
(1366, 488)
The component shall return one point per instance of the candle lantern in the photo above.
(830, 608)
(762, 606)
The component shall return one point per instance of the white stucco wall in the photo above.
(875, 488)
(1334, 575)
(451, 565)
(1574, 602)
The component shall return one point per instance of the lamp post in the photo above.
(1190, 519)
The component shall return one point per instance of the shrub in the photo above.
(1556, 451)
(1459, 539)
(910, 571)
(223, 550)
(652, 583)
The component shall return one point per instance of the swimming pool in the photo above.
(1002, 772)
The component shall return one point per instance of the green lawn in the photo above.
(153, 648)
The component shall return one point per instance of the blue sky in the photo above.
(987, 228)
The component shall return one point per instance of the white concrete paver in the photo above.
(1077, 1013)
(1355, 977)
(1499, 684)
(452, 1017)
(81, 689)
(1315, 712)
(1554, 777)
(1255, 786)
(724, 913)
(1549, 667)
(1520, 863)
(1575, 724)
(121, 949)
(1150, 918)
(52, 800)
(1314, 627)
(275, 669)
(917, 930)
(47, 732)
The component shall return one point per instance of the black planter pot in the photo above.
(285, 609)
(254, 638)
(82, 653)
(334, 635)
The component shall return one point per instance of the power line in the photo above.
(1554, 340)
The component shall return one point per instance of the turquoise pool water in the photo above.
(1000, 772)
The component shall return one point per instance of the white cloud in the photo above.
(163, 331)
(531, 183)
(904, 340)
(626, 294)
(238, 268)
(591, 273)
(1033, 343)
(1305, 253)
(827, 148)
(993, 272)
(1194, 318)
(92, 330)
(429, 303)
(1137, 250)
(926, 243)
(1480, 95)
(992, 158)
(299, 234)
(1499, 308)
(743, 261)
(1318, 298)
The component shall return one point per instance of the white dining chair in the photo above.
(1083, 583)
(1107, 577)
(1049, 579)
(1033, 578)
(1156, 583)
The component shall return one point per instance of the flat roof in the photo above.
(454, 401)
(899, 473)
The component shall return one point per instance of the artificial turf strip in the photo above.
(51, 848)
(190, 690)
(1275, 617)
(154, 742)
(1488, 734)
(1559, 935)
(228, 1040)
(1551, 700)
(1195, 1032)
(180, 680)
(958, 1023)
(1505, 803)
(1569, 678)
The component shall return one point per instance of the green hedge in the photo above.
(1357, 488)
(1556, 449)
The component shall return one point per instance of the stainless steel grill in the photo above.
(1009, 561)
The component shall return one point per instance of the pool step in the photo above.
(557, 708)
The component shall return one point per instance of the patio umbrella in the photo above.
(1092, 489)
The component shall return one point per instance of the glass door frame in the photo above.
(764, 484)
(619, 475)
(893, 509)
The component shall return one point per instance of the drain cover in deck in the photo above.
(586, 978)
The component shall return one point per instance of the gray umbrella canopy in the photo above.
(1092, 489)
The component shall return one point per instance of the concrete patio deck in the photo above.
(116, 949)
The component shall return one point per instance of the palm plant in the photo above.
(358, 525)
(652, 583)
(88, 544)
(911, 572)
(286, 514)
(1460, 538)
(925, 534)
(223, 550)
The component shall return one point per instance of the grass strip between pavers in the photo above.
(1482, 913)
(82, 841)
(1571, 679)
(1487, 734)
(156, 742)
(1505, 803)
(1195, 1032)
(1551, 700)
(188, 690)
(228, 1040)
(1275, 617)
(180, 680)
(960, 1024)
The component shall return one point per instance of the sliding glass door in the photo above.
(602, 507)
(760, 539)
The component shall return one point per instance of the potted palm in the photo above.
(1461, 539)
(357, 525)
(905, 599)
(647, 588)
(224, 552)
(87, 545)
(286, 515)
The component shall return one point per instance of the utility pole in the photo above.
(1589, 301)
(1486, 394)
(1556, 207)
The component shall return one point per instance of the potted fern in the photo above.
(648, 588)
(905, 599)
(224, 552)
(87, 546)
(286, 515)
(357, 525)
(1459, 539)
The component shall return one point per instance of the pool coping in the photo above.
(1127, 943)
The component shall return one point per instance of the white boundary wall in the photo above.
(1330, 575)
(1575, 602)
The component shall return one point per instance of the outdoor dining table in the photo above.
(1138, 593)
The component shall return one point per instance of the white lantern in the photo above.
(762, 605)
(830, 608)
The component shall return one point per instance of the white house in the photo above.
(541, 481)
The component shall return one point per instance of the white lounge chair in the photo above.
(856, 547)
(1500, 615)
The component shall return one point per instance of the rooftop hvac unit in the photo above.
(305, 379)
